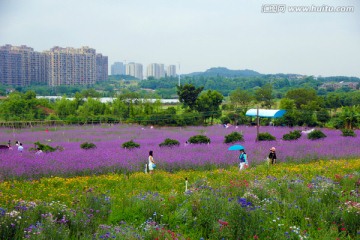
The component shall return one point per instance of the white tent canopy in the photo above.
(266, 113)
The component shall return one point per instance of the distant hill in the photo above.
(224, 72)
(228, 73)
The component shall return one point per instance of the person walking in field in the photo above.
(243, 159)
(38, 151)
(151, 163)
(20, 148)
(9, 145)
(272, 156)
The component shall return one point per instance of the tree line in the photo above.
(304, 106)
(166, 87)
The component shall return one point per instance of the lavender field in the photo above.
(109, 156)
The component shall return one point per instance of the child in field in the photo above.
(272, 156)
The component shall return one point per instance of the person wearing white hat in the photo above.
(272, 155)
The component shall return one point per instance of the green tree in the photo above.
(92, 107)
(65, 107)
(21, 106)
(208, 104)
(241, 98)
(350, 116)
(78, 100)
(132, 102)
(188, 95)
(29, 95)
(291, 115)
(307, 115)
(323, 115)
(301, 96)
(333, 100)
(119, 108)
(264, 95)
(90, 93)
(13, 108)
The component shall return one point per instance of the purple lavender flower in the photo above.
(109, 156)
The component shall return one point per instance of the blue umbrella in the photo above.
(236, 148)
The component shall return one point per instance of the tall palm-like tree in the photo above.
(350, 116)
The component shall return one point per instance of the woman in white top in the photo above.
(151, 163)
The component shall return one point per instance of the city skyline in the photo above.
(197, 35)
(22, 66)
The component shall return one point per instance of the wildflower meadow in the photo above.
(196, 192)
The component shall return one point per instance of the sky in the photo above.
(195, 34)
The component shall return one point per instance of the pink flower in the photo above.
(223, 222)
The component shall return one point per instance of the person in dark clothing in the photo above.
(272, 155)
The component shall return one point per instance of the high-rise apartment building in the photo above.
(135, 70)
(152, 70)
(70, 66)
(130, 69)
(155, 70)
(20, 66)
(171, 71)
(39, 72)
(101, 67)
(162, 70)
(118, 68)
